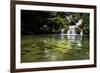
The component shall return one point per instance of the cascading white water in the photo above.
(62, 31)
(71, 34)
(71, 30)
(81, 33)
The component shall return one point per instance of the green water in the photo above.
(43, 48)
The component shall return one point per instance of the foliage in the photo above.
(32, 21)
(42, 22)
(85, 25)
(86, 22)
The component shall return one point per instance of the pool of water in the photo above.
(54, 47)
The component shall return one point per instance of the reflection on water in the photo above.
(50, 55)
(54, 48)
(72, 38)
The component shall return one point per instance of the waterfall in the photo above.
(71, 34)
(79, 22)
(81, 33)
(62, 31)
(71, 30)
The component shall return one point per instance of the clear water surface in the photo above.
(54, 47)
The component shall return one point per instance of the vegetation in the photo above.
(40, 39)
(39, 22)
